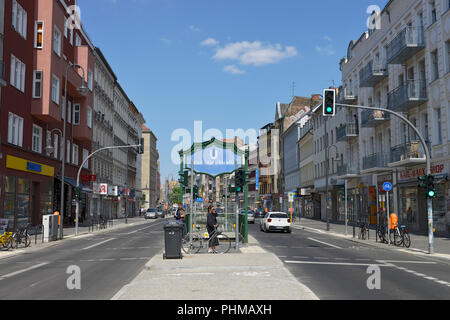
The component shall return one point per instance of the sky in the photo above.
(224, 63)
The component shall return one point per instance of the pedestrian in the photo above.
(180, 216)
(211, 226)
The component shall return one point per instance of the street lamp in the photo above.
(83, 90)
(327, 160)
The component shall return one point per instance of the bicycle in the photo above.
(6, 240)
(400, 236)
(363, 232)
(382, 232)
(22, 236)
(201, 241)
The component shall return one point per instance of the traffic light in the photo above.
(241, 179)
(329, 102)
(431, 190)
(141, 146)
(423, 182)
(77, 193)
(195, 195)
(184, 178)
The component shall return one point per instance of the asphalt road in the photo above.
(106, 262)
(335, 268)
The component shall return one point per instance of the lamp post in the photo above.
(83, 91)
(327, 160)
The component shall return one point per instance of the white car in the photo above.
(276, 221)
(151, 214)
(251, 216)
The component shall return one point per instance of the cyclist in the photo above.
(211, 226)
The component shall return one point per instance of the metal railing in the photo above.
(415, 90)
(372, 69)
(308, 127)
(368, 116)
(407, 150)
(346, 169)
(377, 160)
(348, 130)
(408, 37)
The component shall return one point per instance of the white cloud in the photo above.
(254, 53)
(194, 28)
(210, 42)
(233, 69)
(166, 41)
(327, 49)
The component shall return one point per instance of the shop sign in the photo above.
(419, 172)
(100, 188)
(113, 191)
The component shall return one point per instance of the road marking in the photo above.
(337, 263)
(331, 245)
(406, 261)
(98, 244)
(23, 270)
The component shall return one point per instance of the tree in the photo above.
(174, 196)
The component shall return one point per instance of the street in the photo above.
(337, 268)
(107, 262)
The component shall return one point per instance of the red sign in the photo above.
(419, 172)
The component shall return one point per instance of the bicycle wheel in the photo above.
(7, 244)
(406, 240)
(191, 248)
(27, 241)
(398, 238)
(224, 243)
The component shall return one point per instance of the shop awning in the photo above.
(73, 183)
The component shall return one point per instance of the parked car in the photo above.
(251, 216)
(160, 212)
(151, 214)
(276, 221)
(259, 213)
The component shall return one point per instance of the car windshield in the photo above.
(279, 215)
(151, 210)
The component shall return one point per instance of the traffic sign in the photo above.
(387, 186)
(200, 200)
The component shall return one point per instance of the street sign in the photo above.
(387, 186)
(291, 197)
(200, 200)
(291, 210)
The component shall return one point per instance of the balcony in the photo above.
(346, 96)
(377, 162)
(410, 153)
(407, 43)
(347, 132)
(308, 127)
(347, 171)
(372, 118)
(409, 95)
(372, 74)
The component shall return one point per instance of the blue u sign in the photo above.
(387, 186)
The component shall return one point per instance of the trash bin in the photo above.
(172, 237)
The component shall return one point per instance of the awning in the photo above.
(73, 183)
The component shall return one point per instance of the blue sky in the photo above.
(225, 63)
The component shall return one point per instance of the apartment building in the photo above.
(38, 48)
(402, 66)
(150, 178)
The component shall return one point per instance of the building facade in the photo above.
(150, 177)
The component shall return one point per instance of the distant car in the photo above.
(251, 216)
(160, 213)
(276, 221)
(219, 210)
(259, 213)
(151, 214)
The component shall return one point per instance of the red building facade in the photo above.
(39, 47)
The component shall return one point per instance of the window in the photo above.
(69, 111)
(85, 155)
(39, 34)
(76, 114)
(55, 89)
(77, 40)
(71, 36)
(15, 129)
(438, 128)
(55, 146)
(447, 54)
(37, 84)
(68, 151)
(48, 142)
(19, 19)
(57, 41)
(433, 12)
(90, 80)
(434, 65)
(17, 76)
(66, 33)
(37, 139)
(89, 117)
(75, 151)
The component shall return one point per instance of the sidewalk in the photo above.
(250, 274)
(419, 243)
(37, 244)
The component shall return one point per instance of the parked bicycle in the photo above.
(201, 240)
(363, 232)
(400, 236)
(21, 236)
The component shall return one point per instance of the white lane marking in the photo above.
(98, 244)
(406, 261)
(337, 263)
(9, 275)
(331, 245)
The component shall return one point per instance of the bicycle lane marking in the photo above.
(98, 244)
(325, 243)
(12, 274)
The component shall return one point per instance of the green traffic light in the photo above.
(329, 109)
(431, 194)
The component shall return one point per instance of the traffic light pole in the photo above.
(77, 212)
(428, 165)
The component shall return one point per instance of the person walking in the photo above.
(211, 226)
(181, 217)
